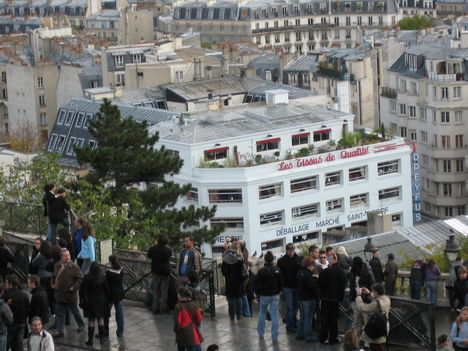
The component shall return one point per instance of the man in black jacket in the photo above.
(6, 258)
(376, 266)
(19, 305)
(160, 255)
(267, 286)
(332, 284)
(289, 265)
(58, 213)
(39, 300)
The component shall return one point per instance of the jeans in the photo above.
(234, 307)
(119, 318)
(160, 286)
(272, 304)
(190, 348)
(85, 265)
(304, 329)
(3, 342)
(60, 309)
(15, 337)
(246, 312)
(415, 290)
(51, 233)
(431, 291)
(290, 302)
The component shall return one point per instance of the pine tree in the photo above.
(125, 156)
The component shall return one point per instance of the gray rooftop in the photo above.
(304, 63)
(242, 121)
(416, 242)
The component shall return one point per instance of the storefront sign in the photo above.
(220, 239)
(330, 157)
(416, 178)
(292, 229)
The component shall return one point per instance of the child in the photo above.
(187, 318)
(198, 296)
(443, 343)
(213, 347)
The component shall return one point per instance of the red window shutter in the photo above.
(216, 150)
(268, 141)
(322, 131)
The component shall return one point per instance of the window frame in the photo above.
(266, 189)
(329, 175)
(235, 192)
(305, 180)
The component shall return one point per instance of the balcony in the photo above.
(330, 71)
(388, 93)
(445, 78)
(438, 152)
(304, 27)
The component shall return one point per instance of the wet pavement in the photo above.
(146, 331)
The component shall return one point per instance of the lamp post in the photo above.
(452, 249)
(369, 249)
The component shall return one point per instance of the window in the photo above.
(389, 193)
(461, 210)
(403, 132)
(192, 195)
(357, 173)
(303, 184)
(348, 21)
(359, 21)
(216, 154)
(60, 144)
(445, 141)
(388, 167)
(269, 144)
(43, 119)
(88, 118)
(448, 212)
(458, 116)
(42, 100)
(459, 165)
(270, 190)
(286, 37)
(370, 20)
(402, 109)
(322, 135)
(179, 75)
(298, 36)
(445, 117)
(337, 21)
(424, 136)
(4, 78)
(272, 218)
(444, 93)
(120, 79)
(456, 92)
(305, 211)
(230, 223)
(425, 159)
(447, 166)
(61, 117)
(173, 153)
(393, 106)
(447, 189)
(225, 196)
(80, 142)
(434, 116)
(459, 141)
(92, 144)
(423, 114)
(333, 178)
(40, 82)
(413, 86)
(413, 134)
(396, 219)
(71, 144)
(402, 85)
(52, 142)
(119, 60)
(359, 200)
(334, 205)
(412, 111)
(80, 121)
(434, 140)
(69, 119)
(393, 128)
(300, 139)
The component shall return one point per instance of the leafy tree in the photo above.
(415, 22)
(136, 173)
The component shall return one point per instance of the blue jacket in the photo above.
(87, 249)
(459, 334)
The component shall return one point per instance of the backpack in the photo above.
(200, 299)
(376, 326)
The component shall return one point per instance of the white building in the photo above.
(267, 195)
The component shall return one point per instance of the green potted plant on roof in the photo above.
(359, 6)
(381, 5)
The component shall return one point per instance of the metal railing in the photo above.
(412, 324)
(138, 278)
(23, 218)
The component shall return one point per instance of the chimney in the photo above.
(378, 222)
(276, 97)
(225, 64)
(210, 74)
(201, 67)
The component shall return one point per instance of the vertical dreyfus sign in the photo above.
(416, 178)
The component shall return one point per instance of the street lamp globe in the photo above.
(452, 249)
(369, 249)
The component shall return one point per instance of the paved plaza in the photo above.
(145, 331)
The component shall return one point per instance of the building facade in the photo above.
(425, 103)
(267, 194)
(292, 27)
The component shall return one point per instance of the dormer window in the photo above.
(413, 62)
(119, 60)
